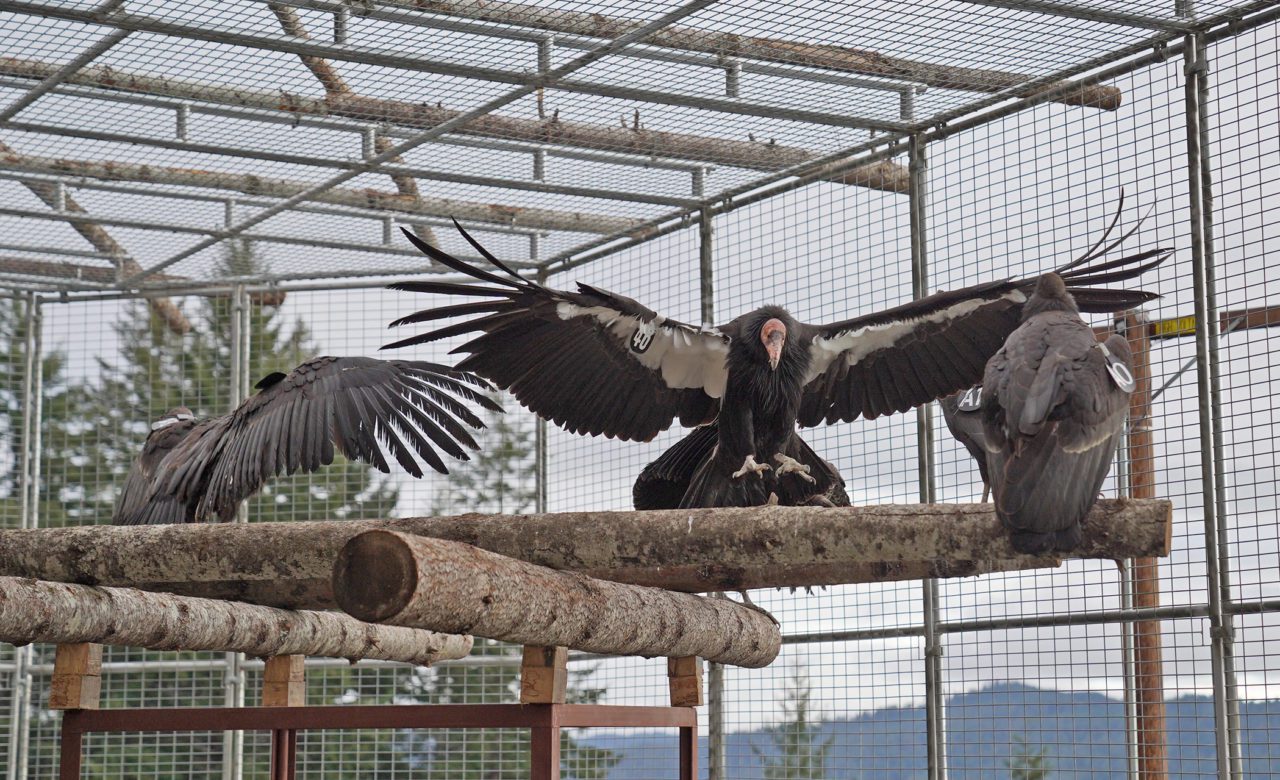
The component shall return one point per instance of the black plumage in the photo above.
(964, 420)
(199, 470)
(1052, 414)
(598, 363)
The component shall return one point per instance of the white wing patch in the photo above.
(684, 358)
(854, 345)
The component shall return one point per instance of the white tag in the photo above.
(1119, 372)
(971, 400)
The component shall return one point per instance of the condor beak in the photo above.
(774, 335)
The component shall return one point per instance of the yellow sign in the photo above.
(1178, 326)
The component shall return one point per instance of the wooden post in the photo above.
(684, 679)
(77, 677)
(284, 681)
(544, 674)
(1148, 666)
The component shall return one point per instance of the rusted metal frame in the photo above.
(80, 182)
(316, 161)
(284, 754)
(1209, 407)
(371, 164)
(1092, 14)
(689, 752)
(414, 16)
(344, 52)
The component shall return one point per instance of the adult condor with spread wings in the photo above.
(199, 470)
(596, 362)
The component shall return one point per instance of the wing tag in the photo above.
(971, 400)
(1119, 372)
(643, 337)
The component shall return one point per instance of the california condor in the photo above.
(596, 362)
(961, 413)
(199, 470)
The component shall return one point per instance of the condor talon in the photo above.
(789, 465)
(749, 465)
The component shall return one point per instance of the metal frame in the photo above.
(544, 722)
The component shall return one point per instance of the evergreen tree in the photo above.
(501, 479)
(798, 751)
(1027, 763)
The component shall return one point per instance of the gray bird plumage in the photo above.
(1052, 414)
(966, 427)
(199, 470)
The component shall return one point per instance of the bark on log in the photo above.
(815, 55)
(253, 184)
(288, 564)
(102, 241)
(754, 155)
(61, 613)
(406, 580)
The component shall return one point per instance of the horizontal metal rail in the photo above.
(1092, 14)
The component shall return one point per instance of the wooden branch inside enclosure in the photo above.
(366, 198)
(60, 613)
(815, 55)
(753, 155)
(390, 577)
(289, 564)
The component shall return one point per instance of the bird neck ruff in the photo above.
(166, 422)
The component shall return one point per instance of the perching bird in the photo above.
(192, 470)
(664, 482)
(1054, 402)
(960, 412)
(597, 363)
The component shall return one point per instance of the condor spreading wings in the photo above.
(1054, 401)
(597, 363)
(199, 470)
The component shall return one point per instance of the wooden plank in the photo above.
(284, 681)
(544, 674)
(77, 677)
(684, 681)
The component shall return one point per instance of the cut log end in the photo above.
(364, 596)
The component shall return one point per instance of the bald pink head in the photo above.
(774, 336)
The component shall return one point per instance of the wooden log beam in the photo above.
(844, 59)
(753, 155)
(61, 613)
(407, 580)
(288, 564)
(368, 198)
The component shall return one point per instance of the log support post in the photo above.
(77, 677)
(684, 678)
(544, 674)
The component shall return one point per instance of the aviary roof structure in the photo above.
(138, 135)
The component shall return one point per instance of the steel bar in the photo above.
(1091, 14)
(742, 47)
(413, 15)
(61, 75)
(366, 201)
(390, 59)
(1217, 561)
(689, 7)
(313, 160)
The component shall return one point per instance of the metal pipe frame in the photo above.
(540, 81)
(359, 54)
(1072, 11)
(1217, 561)
(87, 56)
(381, 12)
(161, 191)
(315, 161)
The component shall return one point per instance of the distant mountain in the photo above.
(1082, 735)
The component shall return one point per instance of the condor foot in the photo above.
(749, 465)
(789, 465)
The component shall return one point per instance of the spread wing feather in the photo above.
(591, 361)
(902, 357)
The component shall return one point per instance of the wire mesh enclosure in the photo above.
(193, 195)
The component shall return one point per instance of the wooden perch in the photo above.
(102, 241)
(390, 577)
(288, 564)
(60, 613)
(723, 44)
(265, 186)
(754, 155)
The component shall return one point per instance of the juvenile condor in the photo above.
(199, 470)
(595, 362)
(1054, 401)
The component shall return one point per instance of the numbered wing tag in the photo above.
(971, 400)
(1119, 372)
(643, 337)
